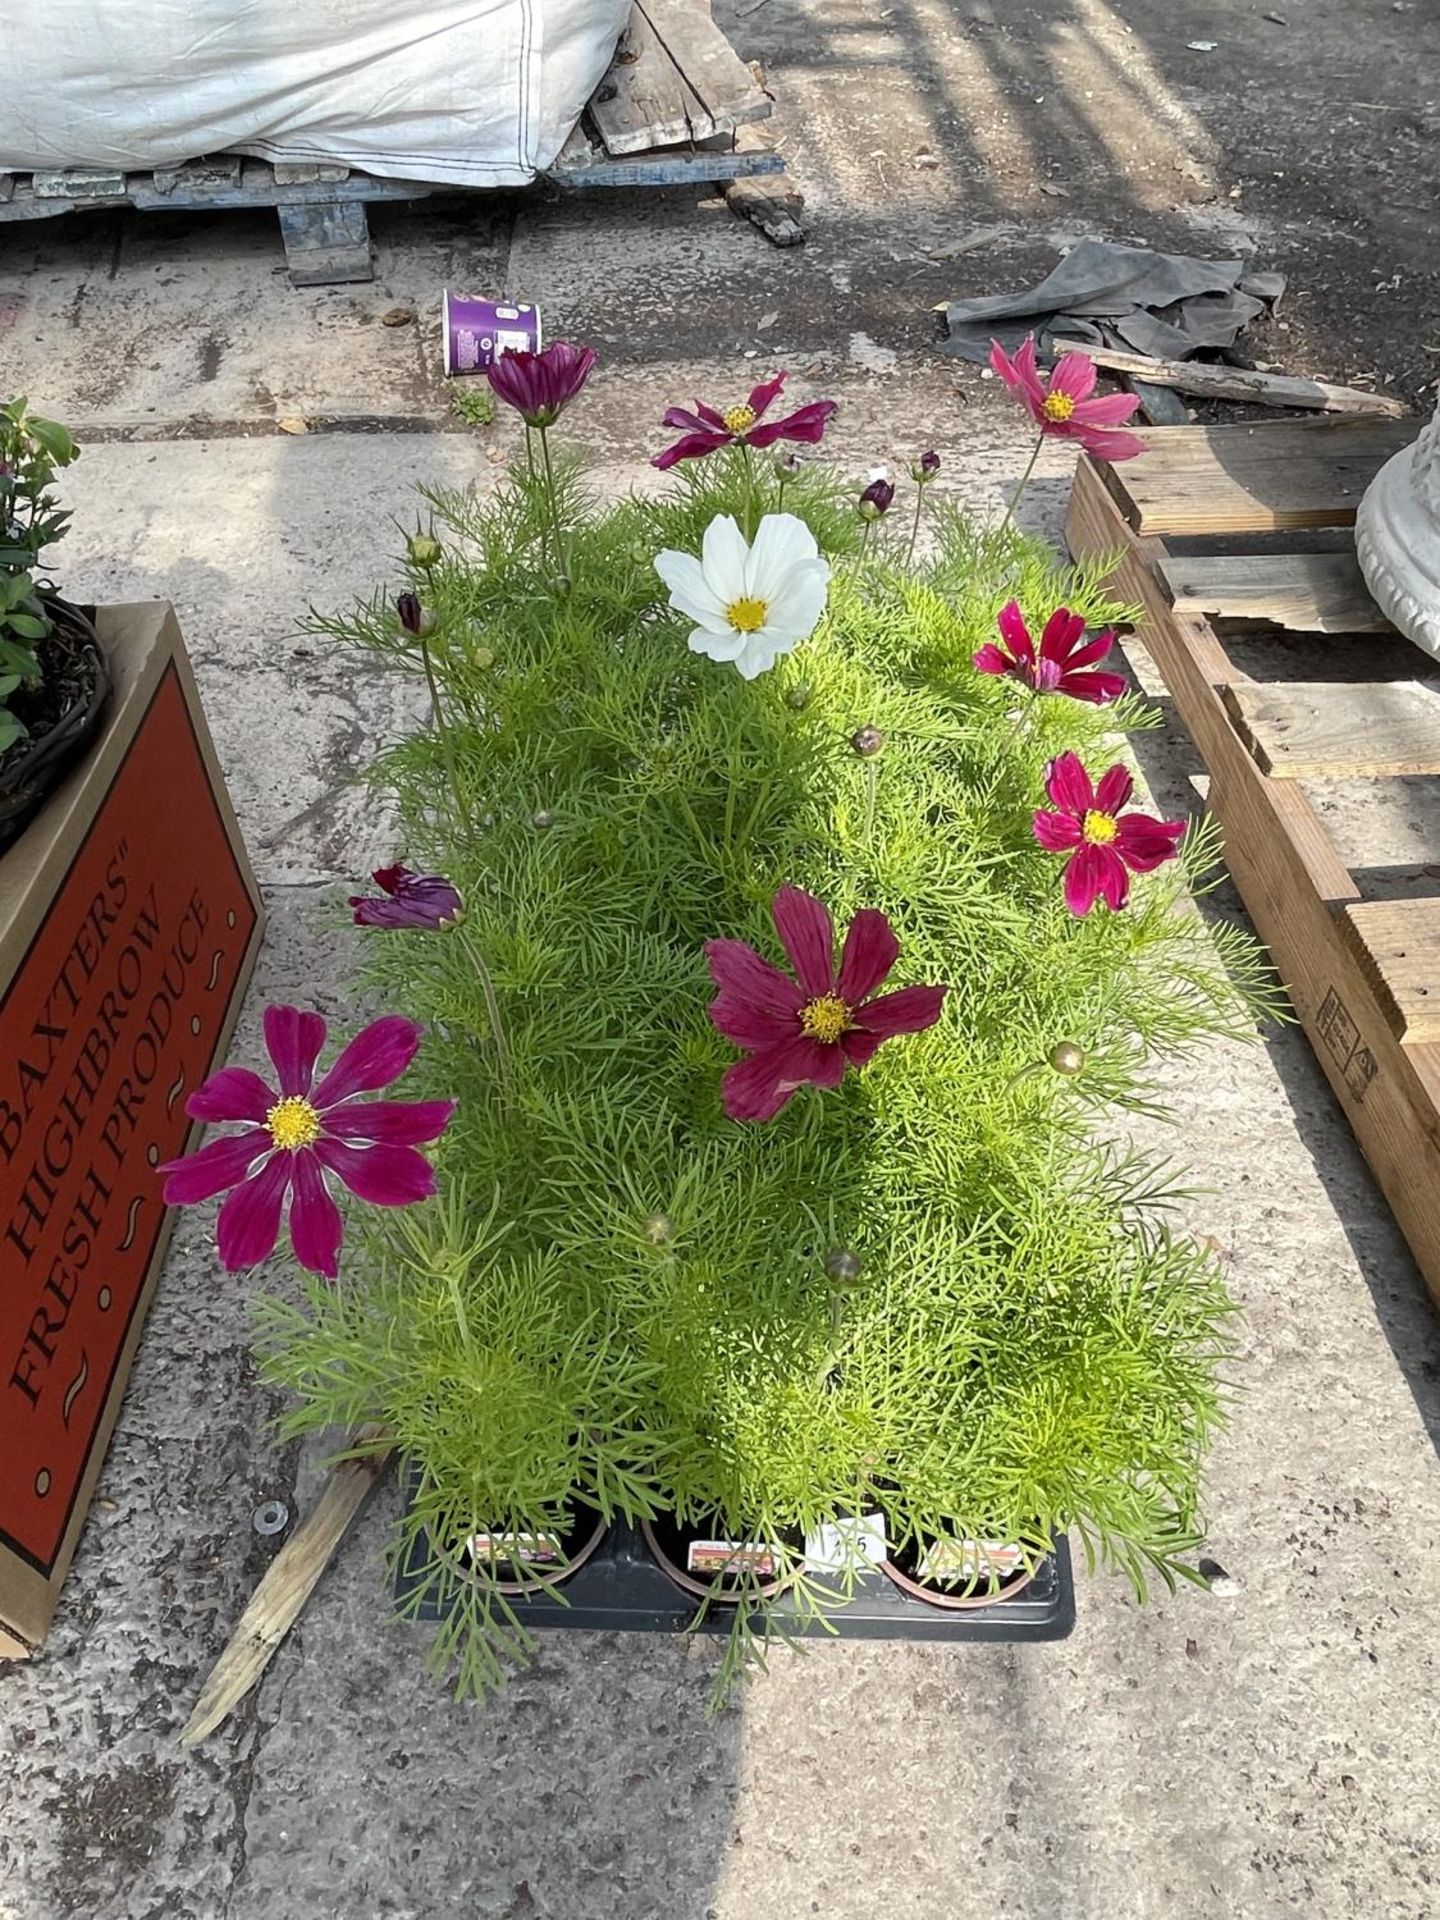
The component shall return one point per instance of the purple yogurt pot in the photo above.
(478, 331)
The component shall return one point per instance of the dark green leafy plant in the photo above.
(632, 1300)
(31, 449)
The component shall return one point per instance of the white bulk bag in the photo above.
(478, 93)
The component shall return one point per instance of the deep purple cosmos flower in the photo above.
(541, 385)
(706, 430)
(422, 900)
(291, 1140)
(811, 1028)
(1105, 846)
(1061, 663)
(1062, 407)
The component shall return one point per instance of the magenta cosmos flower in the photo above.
(1061, 664)
(541, 385)
(1105, 846)
(706, 431)
(1063, 407)
(292, 1139)
(811, 1028)
(422, 900)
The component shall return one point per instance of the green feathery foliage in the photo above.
(623, 1297)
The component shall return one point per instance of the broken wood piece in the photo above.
(1236, 383)
(292, 1577)
(1302, 592)
(1326, 730)
(79, 183)
(293, 173)
(770, 200)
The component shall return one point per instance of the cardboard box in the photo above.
(129, 923)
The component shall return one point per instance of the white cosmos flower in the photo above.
(752, 603)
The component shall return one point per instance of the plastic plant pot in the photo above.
(904, 1565)
(557, 1556)
(672, 1543)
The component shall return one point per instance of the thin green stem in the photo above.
(1019, 493)
(560, 560)
(492, 1000)
(915, 524)
(752, 519)
(459, 1302)
(872, 780)
(780, 496)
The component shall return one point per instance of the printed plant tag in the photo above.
(737, 1557)
(857, 1540)
(528, 1549)
(946, 1563)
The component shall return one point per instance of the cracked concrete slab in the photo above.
(1264, 1752)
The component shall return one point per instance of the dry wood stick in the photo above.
(277, 1602)
(1238, 383)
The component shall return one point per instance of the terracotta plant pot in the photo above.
(556, 1556)
(33, 768)
(671, 1543)
(905, 1566)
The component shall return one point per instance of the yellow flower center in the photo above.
(1058, 406)
(739, 419)
(825, 1019)
(1099, 829)
(293, 1123)
(747, 616)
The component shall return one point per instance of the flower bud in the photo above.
(542, 821)
(876, 499)
(786, 462)
(413, 616)
(659, 1229)
(560, 585)
(925, 468)
(843, 1266)
(482, 658)
(424, 550)
(1067, 1056)
(799, 697)
(867, 742)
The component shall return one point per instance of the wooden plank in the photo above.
(1161, 406)
(1253, 479)
(79, 183)
(1291, 880)
(681, 168)
(771, 202)
(1303, 592)
(1323, 731)
(291, 1578)
(714, 72)
(661, 95)
(1397, 946)
(1246, 384)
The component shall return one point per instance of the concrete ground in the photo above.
(1263, 1750)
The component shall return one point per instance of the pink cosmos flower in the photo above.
(705, 430)
(810, 1031)
(413, 900)
(1059, 665)
(291, 1140)
(1105, 847)
(541, 385)
(1063, 408)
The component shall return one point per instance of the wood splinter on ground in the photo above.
(770, 200)
(292, 1577)
(1203, 378)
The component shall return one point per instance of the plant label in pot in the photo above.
(129, 921)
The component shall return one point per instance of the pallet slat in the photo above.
(1300, 730)
(1302, 592)
(675, 78)
(1397, 944)
(1264, 479)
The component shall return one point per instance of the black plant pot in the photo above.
(978, 1584)
(701, 1561)
(72, 658)
(555, 1557)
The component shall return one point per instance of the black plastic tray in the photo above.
(622, 1588)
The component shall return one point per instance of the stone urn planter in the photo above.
(1397, 538)
(129, 922)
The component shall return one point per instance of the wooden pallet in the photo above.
(665, 115)
(1363, 974)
